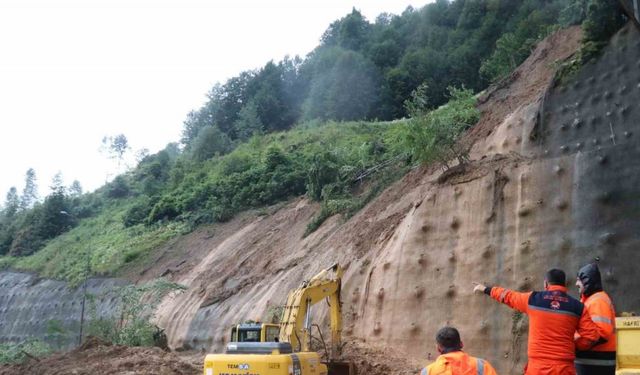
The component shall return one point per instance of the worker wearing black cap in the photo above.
(601, 358)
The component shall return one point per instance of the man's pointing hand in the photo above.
(479, 288)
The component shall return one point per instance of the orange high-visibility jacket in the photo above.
(603, 315)
(554, 317)
(458, 363)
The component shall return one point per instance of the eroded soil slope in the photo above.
(411, 255)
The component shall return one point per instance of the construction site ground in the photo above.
(98, 357)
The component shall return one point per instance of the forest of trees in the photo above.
(365, 70)
(362, 70)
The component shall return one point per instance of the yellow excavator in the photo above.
(291, 354)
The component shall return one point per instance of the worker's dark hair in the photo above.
(449, 339)
(556, 276)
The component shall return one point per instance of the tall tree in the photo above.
(249, 122)
(346, 86)
(54, 218)
(270, 98)
(350, 32)
(30, 191)
(116, 147)
(57, 184)
(11, 203)
(75, 190)
(211, 141)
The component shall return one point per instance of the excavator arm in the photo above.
(295, 333)
(296, 322)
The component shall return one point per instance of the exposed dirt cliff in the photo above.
(413, 253)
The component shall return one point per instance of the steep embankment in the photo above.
(534, 197)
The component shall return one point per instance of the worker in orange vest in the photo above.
(600, 359)
(452, 360)
(554, 317)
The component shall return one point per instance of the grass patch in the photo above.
(100, 244)
(19, 353)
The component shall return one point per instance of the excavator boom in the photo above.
(295, 326)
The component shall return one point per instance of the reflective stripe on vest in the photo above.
(479, 366)
(600, 319)
(424, 371)
(600, 296)
(595, 362)
(564, 312)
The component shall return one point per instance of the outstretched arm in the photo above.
(515, 300)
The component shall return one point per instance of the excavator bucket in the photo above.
(341, 368)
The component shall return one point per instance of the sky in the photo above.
(73, 72)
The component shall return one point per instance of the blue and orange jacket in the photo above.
(554, 317)
(458, 363)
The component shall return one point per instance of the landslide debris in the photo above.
(377, 361)
(99, 357)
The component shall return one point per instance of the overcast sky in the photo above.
(72, 72)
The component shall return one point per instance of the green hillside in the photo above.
(321, 126)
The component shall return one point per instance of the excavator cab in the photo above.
(255, 332)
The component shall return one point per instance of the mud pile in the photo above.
(97, 357)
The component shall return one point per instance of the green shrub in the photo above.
(165, 209)
(602, 19)
(513, 48)
(323, 170)
(574, 13)
(349, 204)
(118, 188)
(21, 352)
(433, 137)
(210, 142)
(56, 334)
(138, 212)
(132, 325)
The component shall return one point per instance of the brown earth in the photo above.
(97, 357)
(372, 361)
